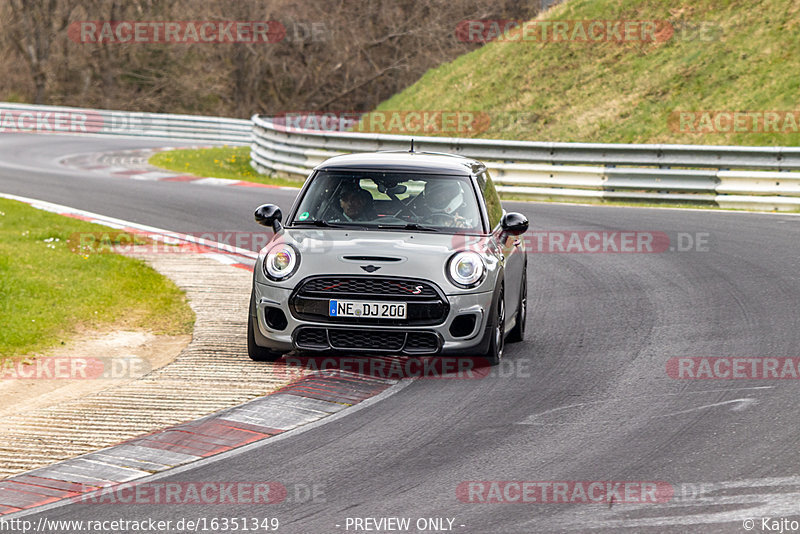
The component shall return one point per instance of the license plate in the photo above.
(375, 310)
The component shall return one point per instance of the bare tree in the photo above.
(335, 55)
(33, 26)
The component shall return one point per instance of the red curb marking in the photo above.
(166, 447)
(315, 392)
(217, 451)
(54, 484)
(180, 178)
(323, 386)
(8, 509)
(335, 398)
(14, 485)
(251, 427)
(341, 381)
(220, 431)
(254, 184)
(184, 439)
(221, 439)
(181, 437)
(201, 445)
(24, 500)
(336, 389)
(79, 217)
(131, 172)
(315, 388)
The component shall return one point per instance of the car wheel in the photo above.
(517, 333)
(498, 333)
(257, 353)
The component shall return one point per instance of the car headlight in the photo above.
(281, 261)
(466, 269)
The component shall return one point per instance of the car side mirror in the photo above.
(269, 215)
(514, 223)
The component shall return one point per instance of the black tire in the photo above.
(256, 353)
(517, 334)
(498, 333)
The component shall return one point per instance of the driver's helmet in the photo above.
(443, 195)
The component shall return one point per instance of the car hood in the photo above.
(394, 253)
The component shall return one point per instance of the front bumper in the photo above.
(346, 338)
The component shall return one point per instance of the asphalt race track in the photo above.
(586, 397)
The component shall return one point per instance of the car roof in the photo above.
(404, 162)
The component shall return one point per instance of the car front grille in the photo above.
(313, 338)
(426, 303)
(366, 340)
(339, 286)
(421, 342)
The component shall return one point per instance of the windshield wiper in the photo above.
(409, 226)
(326, 224)
(320, 223)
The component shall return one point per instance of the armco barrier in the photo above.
(56, 119)
(726, 176)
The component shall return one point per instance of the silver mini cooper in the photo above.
(391, 253)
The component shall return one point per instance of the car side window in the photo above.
(491, 199)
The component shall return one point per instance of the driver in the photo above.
(444, 199)
(356, 204)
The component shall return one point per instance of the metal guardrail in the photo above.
(21, 118)
(726, 176)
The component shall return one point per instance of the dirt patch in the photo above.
(90, 363)
(63, 420)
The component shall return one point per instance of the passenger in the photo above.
(444, 203)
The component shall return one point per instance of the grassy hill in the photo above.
(722, 55)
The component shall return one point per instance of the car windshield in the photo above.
(385, 200)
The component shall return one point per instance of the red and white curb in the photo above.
(221, 252)
(232, 431)
(119, 164)
(305, 402)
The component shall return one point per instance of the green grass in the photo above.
(222, 162)
(47, 291)
(612, 92)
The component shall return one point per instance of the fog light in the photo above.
(275, 318)
(463, 325)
